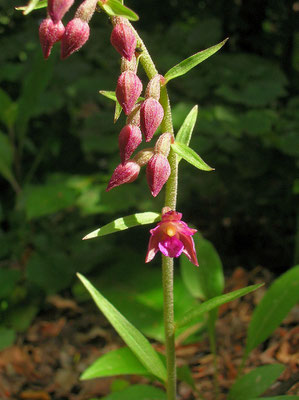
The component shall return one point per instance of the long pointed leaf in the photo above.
(185, 132)
(190, 156)
(209, 305)
(184, 66)
(273, 308)
(139, 345)
(114, 8)
(123, 223)
(32, 5)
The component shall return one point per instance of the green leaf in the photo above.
(131, 336)
(8, 280)
(274, 306)
(41, 200)
(21, 317)
(6, 159)
(206, 281)
(286, 397)
(117, 362)
(115, 9)
(8, 109)
(123, 223)
(34, 85)
(191, 156)
(209, 305)
(7, 337)
(117, 111)
(184, 66)
(32, 5)
(137, 392)
(255, 382)
(185, 133)
(110, 94)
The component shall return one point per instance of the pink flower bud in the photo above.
(86, 10)
(134, 116)
(57, 9)
(75, 35)
(129, 139)
(49, 33)
(143, 156)
(163, 143)
(157, 173)
(151, 116)
(128, 89)
(123, 40)
(123, 173)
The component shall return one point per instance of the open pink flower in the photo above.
(172, 237)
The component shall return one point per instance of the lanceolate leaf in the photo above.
(274, 306)
(191, 156)
(123, 223)
(209, 305)
(32, 5)
(110, 94)
(183, 67)
(117, 362)
(255, 382)
(117, 111)
(186, 130)
(114, 8)
(130, 335)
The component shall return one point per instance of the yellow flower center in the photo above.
(171, 230)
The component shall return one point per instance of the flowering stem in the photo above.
(170, 201)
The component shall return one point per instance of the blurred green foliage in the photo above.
(58, 144)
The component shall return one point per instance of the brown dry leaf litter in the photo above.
(46, 362)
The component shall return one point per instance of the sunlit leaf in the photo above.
(209, 305)
(185, 132)
(32, 5)
(255, 382)
(130, 335)
(191, 156)
(123, 223)
(115, 8)
(117, 111)
(184, 66)
(273, 308)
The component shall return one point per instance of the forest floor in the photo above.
(47, 360)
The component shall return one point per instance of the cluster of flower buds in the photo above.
(143, 117)
(76, 32)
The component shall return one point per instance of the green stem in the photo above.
(170, 201)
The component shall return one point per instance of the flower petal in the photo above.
(189, 248)
(153, 244)
(171, 247)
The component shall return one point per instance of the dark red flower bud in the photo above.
(129, 139)
(123, 40)
(49, 33)
(151, 116)
(123, 173)
(128, 89)
(157, 173)
(57, 9)
(75, 35)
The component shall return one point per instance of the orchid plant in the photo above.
(171, 235)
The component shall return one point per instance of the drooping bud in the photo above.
(123, 40)
(123, 173)
(143, 156)
(163, 143)
(129, 139)
(157, 173)
(134, 117)
(58, 8)
(49, 33)
(151, 116)
(75, 36)
(128, 89)
(153, 87)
